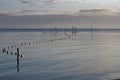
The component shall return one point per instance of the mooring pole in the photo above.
(18, 54)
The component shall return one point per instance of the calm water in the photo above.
(86, 56)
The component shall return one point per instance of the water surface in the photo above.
(84, 56)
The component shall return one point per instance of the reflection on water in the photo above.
(5, 50)
(18, 64)
(65, 56)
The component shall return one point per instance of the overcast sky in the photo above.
(59, 13)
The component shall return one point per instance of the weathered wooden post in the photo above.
(18, 54)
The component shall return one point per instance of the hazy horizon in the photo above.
(59, 13)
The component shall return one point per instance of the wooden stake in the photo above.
(18, 59)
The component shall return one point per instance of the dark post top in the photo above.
(17, 52)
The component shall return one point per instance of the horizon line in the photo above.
(59, 28)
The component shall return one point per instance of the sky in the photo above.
(59, 13)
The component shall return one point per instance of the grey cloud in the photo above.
(49, 1)
(110, 11)
(57, 1)
(24, 11)
(94, 10)
(19, 12)
(45, 2)
(24, 2)
(38, 12)
(38, 21)
(27, 1)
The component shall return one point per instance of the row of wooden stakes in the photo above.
(6, 50)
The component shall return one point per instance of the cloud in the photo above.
(38, 12)
(94, 11)
(112, 11)
(48, 1)
(38, 21)
(27, 1)
(90, 7)
(88, 12)
(56, 1)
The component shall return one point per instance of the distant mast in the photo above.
(91, 32)
(91, 28)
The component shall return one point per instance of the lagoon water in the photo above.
(84, 56)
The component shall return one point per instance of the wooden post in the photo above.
(18, 54)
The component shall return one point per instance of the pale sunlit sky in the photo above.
(59, 13)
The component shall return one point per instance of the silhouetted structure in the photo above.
(91, 32)
(18, 54)
(74, 31)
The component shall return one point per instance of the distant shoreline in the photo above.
(59, 29)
